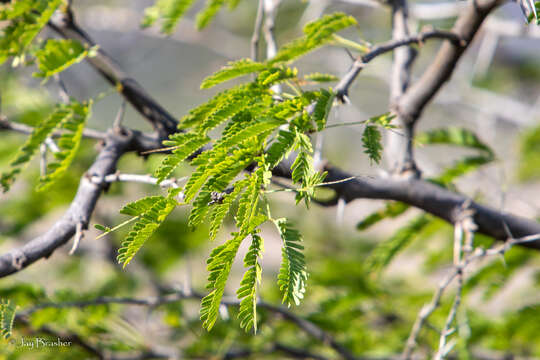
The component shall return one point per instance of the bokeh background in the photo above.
(494, 92)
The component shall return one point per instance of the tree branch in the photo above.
(413, 102)
(310, 328)
(6, 124)
(82, 206)
(161, 120)
(401, 147)
(427, 196)
(464, 225)
(342, 88)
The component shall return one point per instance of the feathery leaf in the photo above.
(319, 77)
(371, 140)
(293, 272)
(146, 225)
(322, 108)
(59, 54)
(61, 116)
(381, 256)
(26, 19)
(454, 136)
(232, 70)
(247, 292)
(219, 211)
(170, 11)
(207, 14)
(68, 143)
(317, 33)
(187, 144)
(7, 316)
(280, 148)
(140, 206)
(219, 267)
(392, 210)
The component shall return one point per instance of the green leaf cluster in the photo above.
(316, 34)
(67, 118)
(256, 131)
(371, 137)
(59, 54)
(148, 213)
(25, 19)
(383, 254)
(461, 137)
(293, 272)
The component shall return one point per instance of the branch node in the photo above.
(18, 258)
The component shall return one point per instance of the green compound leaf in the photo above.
(140, 206)
(371, 140)
(247, 292)
(208, 13)
(219, 267)
(25, 21)
(7, 316)
(57, 55)
(170, 11)
(317, 33)
(147, 223)
(219, 211)
(454, 136)
(70, 118)
(383, 254)
(187, 144)
(319, 77)
(392, 210)
(232, 70)
(293, 272)
(68, 144)
(322, 108)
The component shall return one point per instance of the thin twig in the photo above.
(145, 179)
(52, 145)
(117, 125)
(257, 31)
(62, 89)
(456, 271)
(270, 12)
(307, 326)
(464, 225)
(6, 124)
(343, 86)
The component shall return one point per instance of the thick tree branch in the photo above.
(413, 102)
(426, 196)
(401, 147)
(82, 206)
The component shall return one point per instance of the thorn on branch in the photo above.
(79, 235)
(117, 125)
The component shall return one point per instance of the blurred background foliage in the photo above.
(368, 309)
